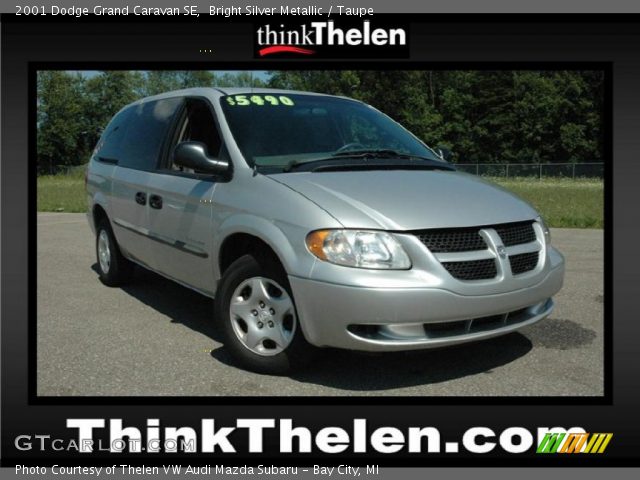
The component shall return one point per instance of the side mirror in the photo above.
(194, 155)
(445, 153)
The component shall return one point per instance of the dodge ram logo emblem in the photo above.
(502, 252)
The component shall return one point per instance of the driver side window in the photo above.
(198, 125)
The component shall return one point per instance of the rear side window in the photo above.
(136, 135)
(108, 147)
(147, 127)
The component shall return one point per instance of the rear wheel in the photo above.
(258, 317)
(113, 268)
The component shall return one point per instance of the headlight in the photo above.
(545, 229)
(358, 248)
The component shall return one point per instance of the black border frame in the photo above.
(305, 64)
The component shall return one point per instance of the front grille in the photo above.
(524, 262)
(468, 239)
(483, 324)
(472, 270)
(475, 325)
(516, 233)
(452, 240)
(447, 329)
(448, 240)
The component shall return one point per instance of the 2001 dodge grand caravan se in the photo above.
(313, 219)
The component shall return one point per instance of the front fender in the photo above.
(286, 240)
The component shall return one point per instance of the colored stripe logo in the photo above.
(574, 443)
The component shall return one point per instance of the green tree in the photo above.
(341, 82)
(457, 103)
(580, 114)
(160, 81)
(60, 120)
(238, 79)
(196, 78)
(103, 96)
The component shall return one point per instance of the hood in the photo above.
(408, 200)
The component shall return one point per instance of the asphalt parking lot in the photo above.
(154, 337)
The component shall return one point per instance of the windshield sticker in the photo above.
(244, 100)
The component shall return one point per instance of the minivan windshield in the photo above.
(279, 131)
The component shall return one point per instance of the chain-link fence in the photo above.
(534, 170)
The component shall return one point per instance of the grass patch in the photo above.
(62, 193)
(562, 202)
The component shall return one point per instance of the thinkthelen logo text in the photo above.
(329, 39)
(251, 435)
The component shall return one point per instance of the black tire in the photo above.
(296, 354)
(119, 270)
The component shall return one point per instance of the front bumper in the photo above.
(391, 319)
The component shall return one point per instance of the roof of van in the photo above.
(221, 91)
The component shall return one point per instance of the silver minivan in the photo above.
(313, 220)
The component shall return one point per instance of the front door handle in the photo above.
(155, 201)
(141, 198)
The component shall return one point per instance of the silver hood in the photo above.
(408, 200)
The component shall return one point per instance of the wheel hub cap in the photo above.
(262, 316)
(104, 253)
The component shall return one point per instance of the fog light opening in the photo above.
(365, 331)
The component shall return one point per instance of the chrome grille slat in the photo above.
(465, 256)
(523, 248)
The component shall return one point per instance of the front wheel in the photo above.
(258, 317)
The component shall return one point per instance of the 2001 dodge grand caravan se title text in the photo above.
(313, 219)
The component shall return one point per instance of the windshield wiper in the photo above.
(342, 163)
(296, 164)
(382, 164)
(377, 153)
(369, 161)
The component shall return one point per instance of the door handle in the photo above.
(155, 201)
(141, 198)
